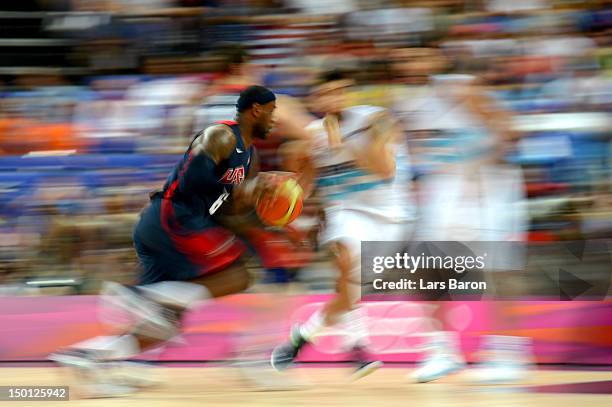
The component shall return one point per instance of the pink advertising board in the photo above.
(562, 332)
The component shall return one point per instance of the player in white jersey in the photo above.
(468, 194)
(352, 158)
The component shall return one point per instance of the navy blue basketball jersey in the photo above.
(196, 189)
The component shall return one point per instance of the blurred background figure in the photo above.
(468, 194)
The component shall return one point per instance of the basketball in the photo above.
(283, 206)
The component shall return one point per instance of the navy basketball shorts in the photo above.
(166, 255)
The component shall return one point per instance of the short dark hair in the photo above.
(254, 94)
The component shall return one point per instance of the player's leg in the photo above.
(341, 309)
(344, 307)
(343, 237)
(151, 314)
(274, 249)
(504, 359)
(234, 279)
(159, 307)
(348, 287)
(178, 273)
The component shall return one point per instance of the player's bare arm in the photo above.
(218, 142)
(296, 158)
(378, 157)
(332, 128)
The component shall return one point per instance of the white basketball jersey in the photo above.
(460, 136)
(343, 185)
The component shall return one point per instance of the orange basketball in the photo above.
(283, 206)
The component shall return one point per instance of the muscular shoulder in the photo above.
(218, 142)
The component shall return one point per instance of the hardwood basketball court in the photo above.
(328, 386)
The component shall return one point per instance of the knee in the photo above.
(243, 280)
(344, 259)
(231, 281)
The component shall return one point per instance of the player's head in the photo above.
(328, 95)
(256, 105)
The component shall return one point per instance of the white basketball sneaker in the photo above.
(91, 376)
(444, 358)
(507, 360)
(136, 374)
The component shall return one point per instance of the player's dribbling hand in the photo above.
(265, 182)
(332, 127)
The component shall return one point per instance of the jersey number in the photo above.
(222, 198)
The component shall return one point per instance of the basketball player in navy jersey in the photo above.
(178, 236)
(185, 253)
(281, 253)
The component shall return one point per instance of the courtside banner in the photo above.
(473, 271)
(398, 331)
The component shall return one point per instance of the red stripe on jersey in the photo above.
(167, 210)
(170, 191)
(228, 122)
(212, 249)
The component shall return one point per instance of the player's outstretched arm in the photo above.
(378, 156)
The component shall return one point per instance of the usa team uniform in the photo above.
(176, 237)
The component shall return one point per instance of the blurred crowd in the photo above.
(98, 99)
